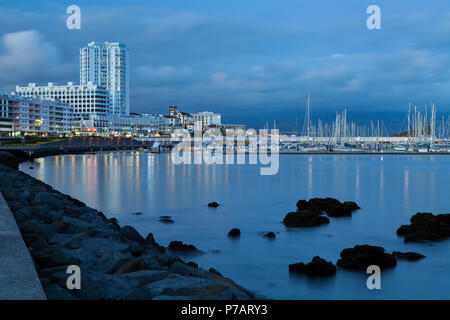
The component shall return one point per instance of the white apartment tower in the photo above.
(106, 64)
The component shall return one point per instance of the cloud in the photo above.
(26, 57)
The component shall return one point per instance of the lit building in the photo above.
(135, 124)
(186, 119)
(84, 99)
(106, 64)
(30, 116)
(207, 118)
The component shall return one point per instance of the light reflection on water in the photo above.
(389, 189)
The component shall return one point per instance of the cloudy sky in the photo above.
(252, 60)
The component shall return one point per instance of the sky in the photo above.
(252, 61)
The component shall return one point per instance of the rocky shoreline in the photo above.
(115, 262)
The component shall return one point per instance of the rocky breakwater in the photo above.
(115, 262)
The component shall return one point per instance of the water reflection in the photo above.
(388, 188)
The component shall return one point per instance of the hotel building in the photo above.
(106, 64)
(24, 116)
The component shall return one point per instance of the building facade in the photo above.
(134, 125)
(30, 116)
(84, 99)
(207, 118)
(106, 64)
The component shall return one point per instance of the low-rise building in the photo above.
(134, 124)
(207, 118)
(29, 116)
(84, 99)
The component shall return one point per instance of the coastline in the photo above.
(116, 262)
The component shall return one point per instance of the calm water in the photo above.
(388, 188)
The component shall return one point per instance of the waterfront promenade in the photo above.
(18, 276)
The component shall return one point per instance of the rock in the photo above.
(331, 206)
(234, 233)
(214, 271)
(136, 250)
(181, 247)
(304, 219)
(132, 265)
(362, 256)
(426, 227)
(410, 256)
(166, 220)
(192, 264)
(270, 235)
(213, 204)
(317, 267)
(60, 258)
(150, 241)
(144, 277)
(130, 233)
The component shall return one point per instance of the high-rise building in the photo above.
(106, 64)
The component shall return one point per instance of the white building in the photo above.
(33, 116)
(106, 64)
(135, 124)
(207, 118)
(84, 99)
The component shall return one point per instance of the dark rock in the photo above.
(410, 256)
(426, 227)
(270, 235)
(130, 233)
(214, 271)
(150, 240)
(132, 265)
(304, 219)
(317, 267)
(331, 206)
(360, 257)
(181, 247)
(166, 220)
(136, 250)
(234, 233)
(213, 204)
(192, 264)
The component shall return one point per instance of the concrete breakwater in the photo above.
(116, 262)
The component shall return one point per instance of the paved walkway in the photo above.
(18, 277)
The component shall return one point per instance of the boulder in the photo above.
(166, 220)
(317, 267)
(234, 233)
(130, 233)
(362, 256)
(270, 235)
(426, 227)
(410, 256)
(331, 206)
(181, 247)
(213, 204)
(131, 265)
(304, 219)
(214, 271)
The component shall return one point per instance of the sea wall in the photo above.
(116, 262)
(18, 277)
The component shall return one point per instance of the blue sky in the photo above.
(253, 61)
